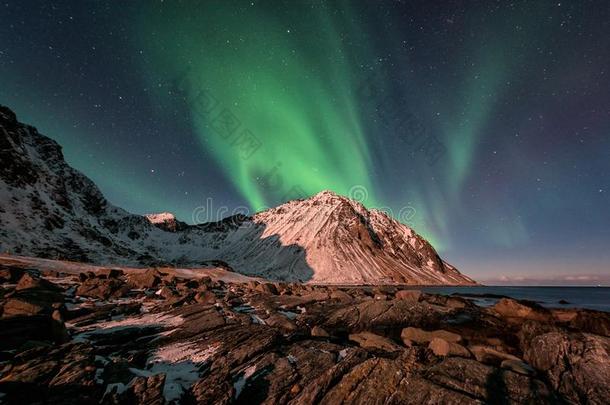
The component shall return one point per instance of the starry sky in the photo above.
(484, 125)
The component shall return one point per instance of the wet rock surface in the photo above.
(114, 337)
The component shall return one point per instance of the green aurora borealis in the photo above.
(295, 82)
(290, 86)
(339, 95)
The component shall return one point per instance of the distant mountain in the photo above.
(166, 221)
(48, 209)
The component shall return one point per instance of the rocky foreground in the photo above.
(153, 337)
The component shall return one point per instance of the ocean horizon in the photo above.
(590, 297)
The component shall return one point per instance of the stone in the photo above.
(518, 366)
(592, 322)
(307, 344)
(486, 383)
(167, 292)
(408, 295)
(149, 278)
(281, 322)
(16, 330)
(488, 355)
(317, 331)
(421, 336)
(368, 340)
(441, 347)
(30, 281)
(340, 296)
(146, 390)
(205, 297)
(510, 308)
(267, 288)
(10, 274)
(373, 315)
(575, 364)
(102, 288)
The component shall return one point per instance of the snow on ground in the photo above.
(288, 314)
(241, 381)
(166, 321)
(215, 273)
(181, 363)
(184, 351)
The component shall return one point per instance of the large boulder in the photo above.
(149, 278)
(592, 322)
(517, 310)
(488, 384)
(10, 274)
(17, 330)
(32, 296)
(102, 288)
(145, 390)
(30, 280)
(410, 334)
(408, 295)
(489, 355)
(376, 315)
(368, 340)
(441, 347)
(576, 364)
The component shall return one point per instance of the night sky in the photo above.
(485, 125)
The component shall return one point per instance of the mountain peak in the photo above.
(166, 221)
(160, 217)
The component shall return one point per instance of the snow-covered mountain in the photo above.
(48, 209)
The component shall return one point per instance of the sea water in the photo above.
(597, 298)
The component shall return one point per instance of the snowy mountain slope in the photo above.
(48, 209)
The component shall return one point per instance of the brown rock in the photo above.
(372, 315)
(488, 355)
(267, 288)
(102, 288)
(30, 281)
(215, 388)
(486, 383)
(16, 330)
(111, 273)
(510, 308)
(441, 347)
(373, 381)
(517, 366)
(317, 331)
(421, 336)
(592, 322)
(575, 364)
(280, 321)
(150, 278)
(205, 297)
(408, 295)
(315, 389)
(10, 274)
(24, 307)
(368, 340)
(456, 303)
(341, 296)
(167, 292)
(146, 390)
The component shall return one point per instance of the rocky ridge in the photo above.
(116, 336)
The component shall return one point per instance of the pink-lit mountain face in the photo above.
(51, 210)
